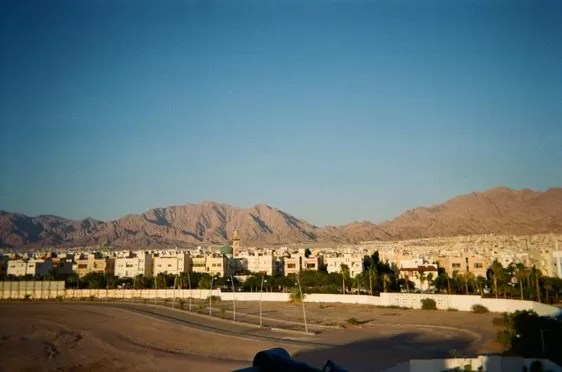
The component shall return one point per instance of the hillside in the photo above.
(499, 210)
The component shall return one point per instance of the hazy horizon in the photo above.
(333, 111)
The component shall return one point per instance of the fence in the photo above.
(54, 289)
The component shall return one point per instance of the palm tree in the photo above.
(429, 279)
(385, 280)
(422, 278)
(497, 273)
(471, 281)
(344, 275)
(372, 272)
(536, 274)
(521, 273)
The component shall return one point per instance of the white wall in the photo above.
(38, 290)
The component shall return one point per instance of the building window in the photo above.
(478, 265)
(291, 266)
(456, 266)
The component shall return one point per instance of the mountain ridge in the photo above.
(497, 210)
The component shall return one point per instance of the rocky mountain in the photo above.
(500, 210)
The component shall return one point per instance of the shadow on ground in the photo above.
(380, 353)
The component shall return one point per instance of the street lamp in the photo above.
(189, 281)
(261, 293)
(211, 297)
(233, 299)
(302, 302)
(174, 293)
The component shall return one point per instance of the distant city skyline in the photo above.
(333, 111)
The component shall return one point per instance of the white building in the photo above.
(353, 261)
(263, 263)
(33, 267)
(172, 264)
(129, 267)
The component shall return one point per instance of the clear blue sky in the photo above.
(333, 111)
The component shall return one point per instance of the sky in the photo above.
(333, 111)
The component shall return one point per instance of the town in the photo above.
(526, 267)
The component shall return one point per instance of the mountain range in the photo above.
(499, 210)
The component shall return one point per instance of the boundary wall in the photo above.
(55, 289)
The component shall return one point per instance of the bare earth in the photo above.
(119, 336)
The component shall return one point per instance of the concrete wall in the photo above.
(140, 293)
(31, 289)
(48, 290)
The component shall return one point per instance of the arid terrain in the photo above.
(500, 210)
(114, 336)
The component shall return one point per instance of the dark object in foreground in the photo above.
(279, 359)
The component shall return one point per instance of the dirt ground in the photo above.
(144, 337)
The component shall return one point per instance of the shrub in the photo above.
(353, 321)
(27, 297)
(452, 309)
(479, 309)
(222, 311)
(214, 299)
(295, 295)
(429, 304)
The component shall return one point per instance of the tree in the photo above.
(385, 280)
(497, 275)
(372, 273)
(307, 252)
(535, 275)
(344, 269)
(521, 273)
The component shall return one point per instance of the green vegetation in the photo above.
(428, 304)
(528, 335)
(479, 309)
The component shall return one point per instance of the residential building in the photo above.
(172, 264)
(264, 263)
(475, 264)
(129, 267)
(90, 263)
(33, 267)
(353, 261)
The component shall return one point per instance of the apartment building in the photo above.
(129, 267)
(217, 264)
(353, 261)
(90, 263)
(34, 267)
(477, 265)
(264, 263)
(416, 270)
(298, 262)
(175, 263)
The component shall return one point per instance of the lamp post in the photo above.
(261, 292)
(211, 297)
(233, 299)
(174, 293)
(302, 302)
(189, 281)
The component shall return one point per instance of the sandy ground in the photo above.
(112, 336)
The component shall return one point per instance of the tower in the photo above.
(235, 244)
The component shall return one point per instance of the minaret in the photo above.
(235, 244)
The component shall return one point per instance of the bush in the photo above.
(27, 297)
(214, 299)
(353, 321)
(479, 309)
(295, 295)
(429, 304)
(452, 309)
